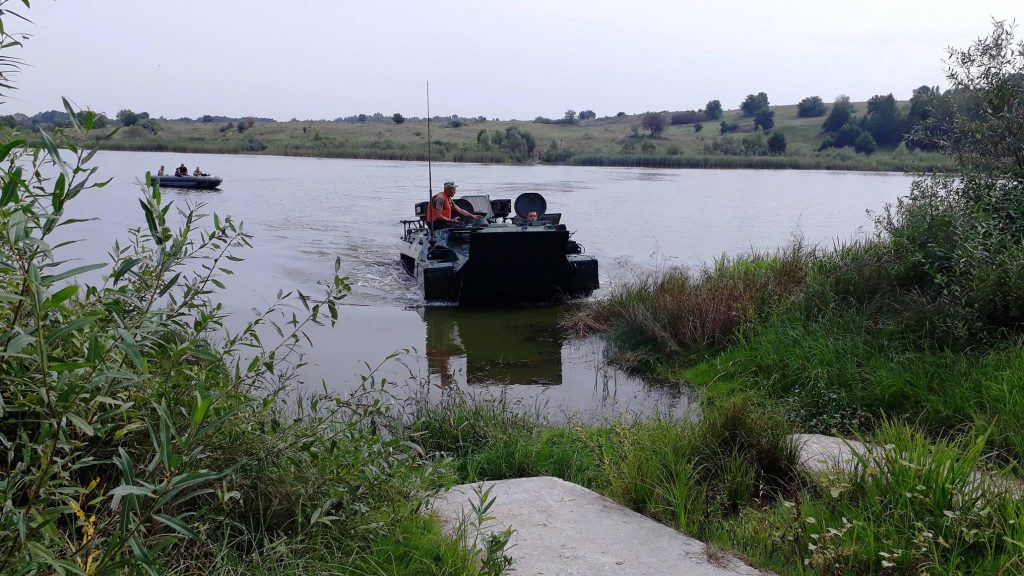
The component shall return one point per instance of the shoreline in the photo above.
(651, 162)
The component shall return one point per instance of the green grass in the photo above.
(598, 142)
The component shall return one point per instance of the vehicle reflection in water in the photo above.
(525, 354)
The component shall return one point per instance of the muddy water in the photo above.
(306, 212)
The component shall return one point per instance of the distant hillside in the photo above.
(623, 140)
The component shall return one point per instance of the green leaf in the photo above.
(178, 525)
(18, 342)
(131, 350)
(6, 147)
(217, 283)
(123, 268)
(81, 424)
(50, 280)
(127, 490)
(60, 296)
(154, 230)
(170, 284)
(9, 192)
(70, 327)
(203, 402)
(72, 117)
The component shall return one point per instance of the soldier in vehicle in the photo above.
(531, 216)
(439, 211)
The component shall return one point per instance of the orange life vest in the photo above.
(433, 215)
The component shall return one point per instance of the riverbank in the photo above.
(613, 141)
(912, 339)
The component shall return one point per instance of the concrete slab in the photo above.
(826, 454)
(563, 529)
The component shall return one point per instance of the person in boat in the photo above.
(161, 172)
(439, 211)
(199, 172)
(181, 170)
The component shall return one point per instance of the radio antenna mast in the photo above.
(430, 174)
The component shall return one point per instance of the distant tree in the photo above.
(810, 107)
(920, 104)
(841, 114)
(587, 115)
(206, 118)
(397, 118)
(764, 119)
(753, 103)
(362, 117)
(776, 143)
(482, 138)
(884, 121)
(456, 123)
(127, 118)
(9, 121)
(620, 114)
(922, 108)
(570, 117)
(143, 115)
(653, 122)
(726, 127)
(713, 111)
(698, 127)
(865, 144)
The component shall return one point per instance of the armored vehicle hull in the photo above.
(497, 262)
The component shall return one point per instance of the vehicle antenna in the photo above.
(430, 175)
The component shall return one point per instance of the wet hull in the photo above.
(499, 265)
(194, 182)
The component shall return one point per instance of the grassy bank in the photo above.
(732, 480)
(912, 339)
(612, 141)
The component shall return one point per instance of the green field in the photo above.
(612, 141)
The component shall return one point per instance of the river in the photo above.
(305, 212)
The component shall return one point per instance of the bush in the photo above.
(777, 143)
(726, 127)
(865, 144)
(687, 117)
(810, 107)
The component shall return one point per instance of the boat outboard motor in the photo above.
(530, 202)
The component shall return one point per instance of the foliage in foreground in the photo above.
(139, 435)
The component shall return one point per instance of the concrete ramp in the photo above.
(563, 529)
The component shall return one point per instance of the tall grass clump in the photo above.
(676, 312)
(138, 435)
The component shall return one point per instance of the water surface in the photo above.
(306, 212)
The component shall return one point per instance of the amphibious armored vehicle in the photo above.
(499, 259)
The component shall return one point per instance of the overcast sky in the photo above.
(501, 59)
